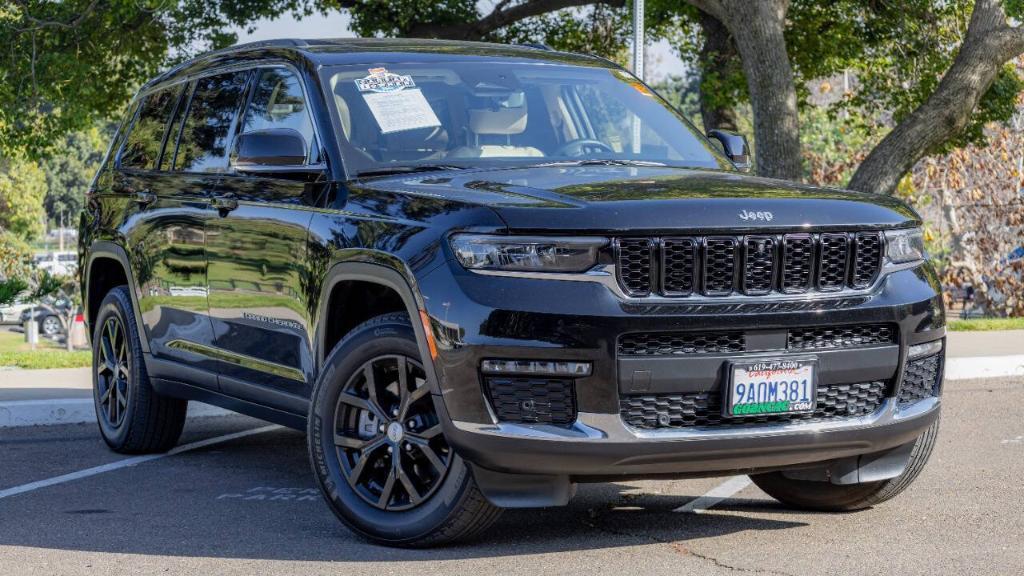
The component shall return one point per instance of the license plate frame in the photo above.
(799, 369)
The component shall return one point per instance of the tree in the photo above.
(70, 169)
(898, 51)
(22, 188)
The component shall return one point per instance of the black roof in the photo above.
(340, 51)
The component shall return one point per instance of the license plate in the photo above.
(771, 387)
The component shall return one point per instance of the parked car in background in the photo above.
(49, 316)
(12, 312)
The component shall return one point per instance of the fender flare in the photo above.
(385, 276)
(111, 251)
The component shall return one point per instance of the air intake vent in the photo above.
(532, 400)
(758, 265)
(678, 264)
(797, 262)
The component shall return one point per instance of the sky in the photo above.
(661, 62)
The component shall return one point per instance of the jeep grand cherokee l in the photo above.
(477, 275)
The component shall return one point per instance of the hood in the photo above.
(650, 200)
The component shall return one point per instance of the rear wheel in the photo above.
(827, 497)
(133, 418)
(377, 448)
(51, 326)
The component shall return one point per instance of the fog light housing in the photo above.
(536, 367)
(927, 349)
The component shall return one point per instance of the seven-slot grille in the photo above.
(752, 265)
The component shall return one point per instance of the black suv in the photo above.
(478, 274)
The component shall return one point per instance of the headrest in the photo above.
(504, 121)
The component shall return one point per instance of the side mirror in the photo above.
(278, 147)
(735, 146)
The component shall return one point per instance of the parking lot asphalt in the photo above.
(248, 506)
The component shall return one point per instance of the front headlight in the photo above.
(904, 246)
(526, 253)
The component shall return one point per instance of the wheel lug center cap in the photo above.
(395, 432)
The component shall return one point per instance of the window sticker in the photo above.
(380, 80)
(401, 110)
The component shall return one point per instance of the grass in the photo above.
(983, 324)
(15, 352)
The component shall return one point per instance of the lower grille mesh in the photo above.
(921, 380)
(704, 409)
(532, 400)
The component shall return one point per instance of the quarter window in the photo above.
(278, 102)
(204, 141)
(142, 148)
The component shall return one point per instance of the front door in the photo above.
(256, 250)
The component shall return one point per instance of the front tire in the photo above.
(827, 497)
(376, 446)
(133, 418)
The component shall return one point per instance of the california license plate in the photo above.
(771, 387)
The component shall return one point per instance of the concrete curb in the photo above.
(80, 410)
(984, 367)
(73, 411)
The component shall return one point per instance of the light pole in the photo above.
(638, 62)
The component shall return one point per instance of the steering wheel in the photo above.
(582, 146)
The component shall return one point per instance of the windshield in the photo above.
(466, 114)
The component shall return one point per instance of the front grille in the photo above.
(704, 409)
(752, 265)
(724, 342)
(832, 337)
(532, 400)
(633, 261)
(678, 343)
(920, 380)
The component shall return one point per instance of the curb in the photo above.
(74, 411)
(984, 367)
(80, 410)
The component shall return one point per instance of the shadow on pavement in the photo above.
(220, 502)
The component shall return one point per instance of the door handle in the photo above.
(225, 203)
(144, 197)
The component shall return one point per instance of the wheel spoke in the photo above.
(429, 452)
(122, 401)
(112, 406)
(112, 330)
(364, 457)
(410, 488)
(429, 433)
(371, 387)
(342, 441)
(107, 349)
(105, 397)
(361, 403)
(385, 493)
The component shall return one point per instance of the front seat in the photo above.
(491, 123)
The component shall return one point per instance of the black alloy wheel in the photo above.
(388, 436)
(113, 372)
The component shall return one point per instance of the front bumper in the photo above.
(477, 317)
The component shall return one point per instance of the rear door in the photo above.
(171, 244)
(256, 246)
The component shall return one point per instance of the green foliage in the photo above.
(70, 170)
(10, 289)
(22, 188)
(986, 324)
(600, 30)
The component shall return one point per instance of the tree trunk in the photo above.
(758, 28)
(990, 42)
(718, 60)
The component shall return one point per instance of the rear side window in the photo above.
(278, 102)
(203, 146)
(142, 146)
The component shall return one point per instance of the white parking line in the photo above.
(984, 367)
(133, 461)
(715, 495)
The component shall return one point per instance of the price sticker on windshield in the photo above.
(382, 81)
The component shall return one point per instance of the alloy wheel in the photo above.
(51, 325)
(113, 371)
(388, 436)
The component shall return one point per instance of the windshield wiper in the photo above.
(409, 169)
(603, 162)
